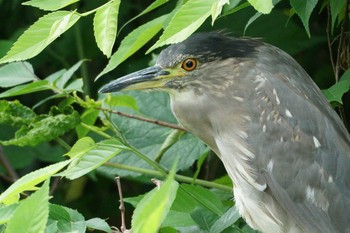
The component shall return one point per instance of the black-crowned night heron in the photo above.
(284, 147)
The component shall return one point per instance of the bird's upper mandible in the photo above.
(284, 147)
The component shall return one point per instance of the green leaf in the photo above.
(44, 130)
(63, 80)
(40, 34)
(178, 219)
(151, 7)
(82, 146)
(67, 220)
(76, 85)
(225, 221)
(26, 89)
(15, 114)
(304, 10)
(147, 137)
(170, 140)
(49, 5)
(105, 26)
(88, 117)
(187, 151)
(153, 208)
(204, 218)
(91, 157)
(204, 197)
(133, 42)
(262, 6)
(32, 214)
(16, 73)
(98, 224)
(6, 212)
(251, 20)
(186, 20)
(30, 180)
(336, 92)
(121, 101)
(216, 9)
(183, 202)
(336, 7)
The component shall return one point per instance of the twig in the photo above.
(341, 42)
(157, 122)
(179, 178)
(121, 206)
(6, 164)
(157, 182)
(54, 185)
(329, 39)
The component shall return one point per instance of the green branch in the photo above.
(179, 178)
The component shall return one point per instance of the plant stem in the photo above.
(96, 130)
(63, 143)
(13, 176)
(140, 118)
(180, 178)
(94, 10)
(81, 55)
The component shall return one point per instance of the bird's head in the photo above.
(201, 55)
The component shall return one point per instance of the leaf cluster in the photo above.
(52, 113)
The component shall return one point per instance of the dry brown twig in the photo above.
(122, 209)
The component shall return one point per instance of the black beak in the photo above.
(133, 81)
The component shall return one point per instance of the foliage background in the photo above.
(314, 42)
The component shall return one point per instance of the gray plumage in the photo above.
(282, 144)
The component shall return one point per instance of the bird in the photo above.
(281, 142)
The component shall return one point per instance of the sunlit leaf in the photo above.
(153, 208)
(262, 6)
(16, 73)
(186, 20)
(121, 101)
(82, 146)
(40, 34)
(41, 85)
(30, 180)
(105, 26)
(91, 157)
(98, 224)
(217, 8)
(32, 214)
(49, 5)
(304, 10)
(133, 42)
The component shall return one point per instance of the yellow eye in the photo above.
(189, 64)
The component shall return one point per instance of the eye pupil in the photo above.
(189, 64)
